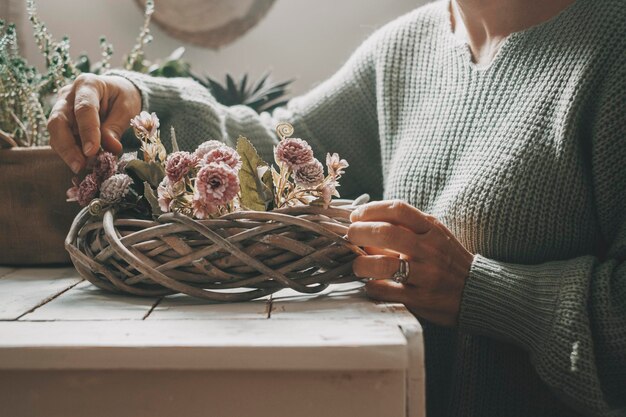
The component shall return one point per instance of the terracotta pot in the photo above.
(34, 216)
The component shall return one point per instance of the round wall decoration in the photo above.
(208, 23)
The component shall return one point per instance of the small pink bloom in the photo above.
(165, 196)
(309, 175)
(179, 164)
(201, 210)
(217, 184)
(206, 147)
(145, 125)
(72, 192)
(87, 190)
(336, 165)
(105, 166)
(293, 152)
(223, 154)
(328, 192)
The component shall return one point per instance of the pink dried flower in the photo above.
(124, 160)
(293, 152)
(223, 154)
(217, 184)
(179, 164)
(145, 125)
(105, 166)
(328, 192)
(336, 165)
(309, 175)
(72, 192)
(206, 147)
(165, 196)
(115, 188)
(201, 210)
(87, 190)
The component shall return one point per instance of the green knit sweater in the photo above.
(523, 160)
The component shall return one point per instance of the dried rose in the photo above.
(87, 190)
(309, 175)
(336, 165)
(179, 164)
(115, 188)
(105, 166)
(217, 184)
(154, 151)
(223, 154)
(293, 152)
(145, 125)
(206, 147)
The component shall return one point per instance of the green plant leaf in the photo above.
(150, 172)
(148, 192)
(255, 178)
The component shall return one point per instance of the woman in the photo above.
(504, 121)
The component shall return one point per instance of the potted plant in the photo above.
(34, 216)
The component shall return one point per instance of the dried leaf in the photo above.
(148, 192)
(150, 172)
(255, 181)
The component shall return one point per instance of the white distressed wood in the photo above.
(87, 302)
(199, 344)
(202, 394)
(24, 289)
(338, 302)
(416, 373)
(183, 307)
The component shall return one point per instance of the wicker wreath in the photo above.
(237, 257)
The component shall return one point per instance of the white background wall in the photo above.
(305, 39)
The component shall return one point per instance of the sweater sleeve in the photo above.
(570, 315)
(339, 115)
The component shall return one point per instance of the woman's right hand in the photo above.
(91, 113)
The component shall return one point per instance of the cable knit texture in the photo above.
(524, 161)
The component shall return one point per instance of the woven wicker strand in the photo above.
(240, 256)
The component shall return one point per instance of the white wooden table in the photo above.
(68, 349)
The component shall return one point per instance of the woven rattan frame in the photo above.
(240, 256)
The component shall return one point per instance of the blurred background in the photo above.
(303, 39)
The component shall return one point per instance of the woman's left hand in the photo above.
(438, 263)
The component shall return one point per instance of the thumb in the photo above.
(112, 129)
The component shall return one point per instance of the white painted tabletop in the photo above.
(51, 319)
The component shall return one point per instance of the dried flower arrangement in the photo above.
(213, 219)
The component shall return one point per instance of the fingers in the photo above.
(390, 291)
(376, 266)
(395, 212)
(62, 139)
(386, 236)
(113, 127)
(87, 98)
(372, 250)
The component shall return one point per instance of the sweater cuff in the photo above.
(510, 302)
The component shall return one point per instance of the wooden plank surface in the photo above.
(203, 344)
(183, 307)
(87, 302)
(23, 290)
(338, 302)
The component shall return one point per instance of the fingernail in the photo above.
(87, 148)
(75, 166)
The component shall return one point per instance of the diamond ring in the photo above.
(402, 274)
